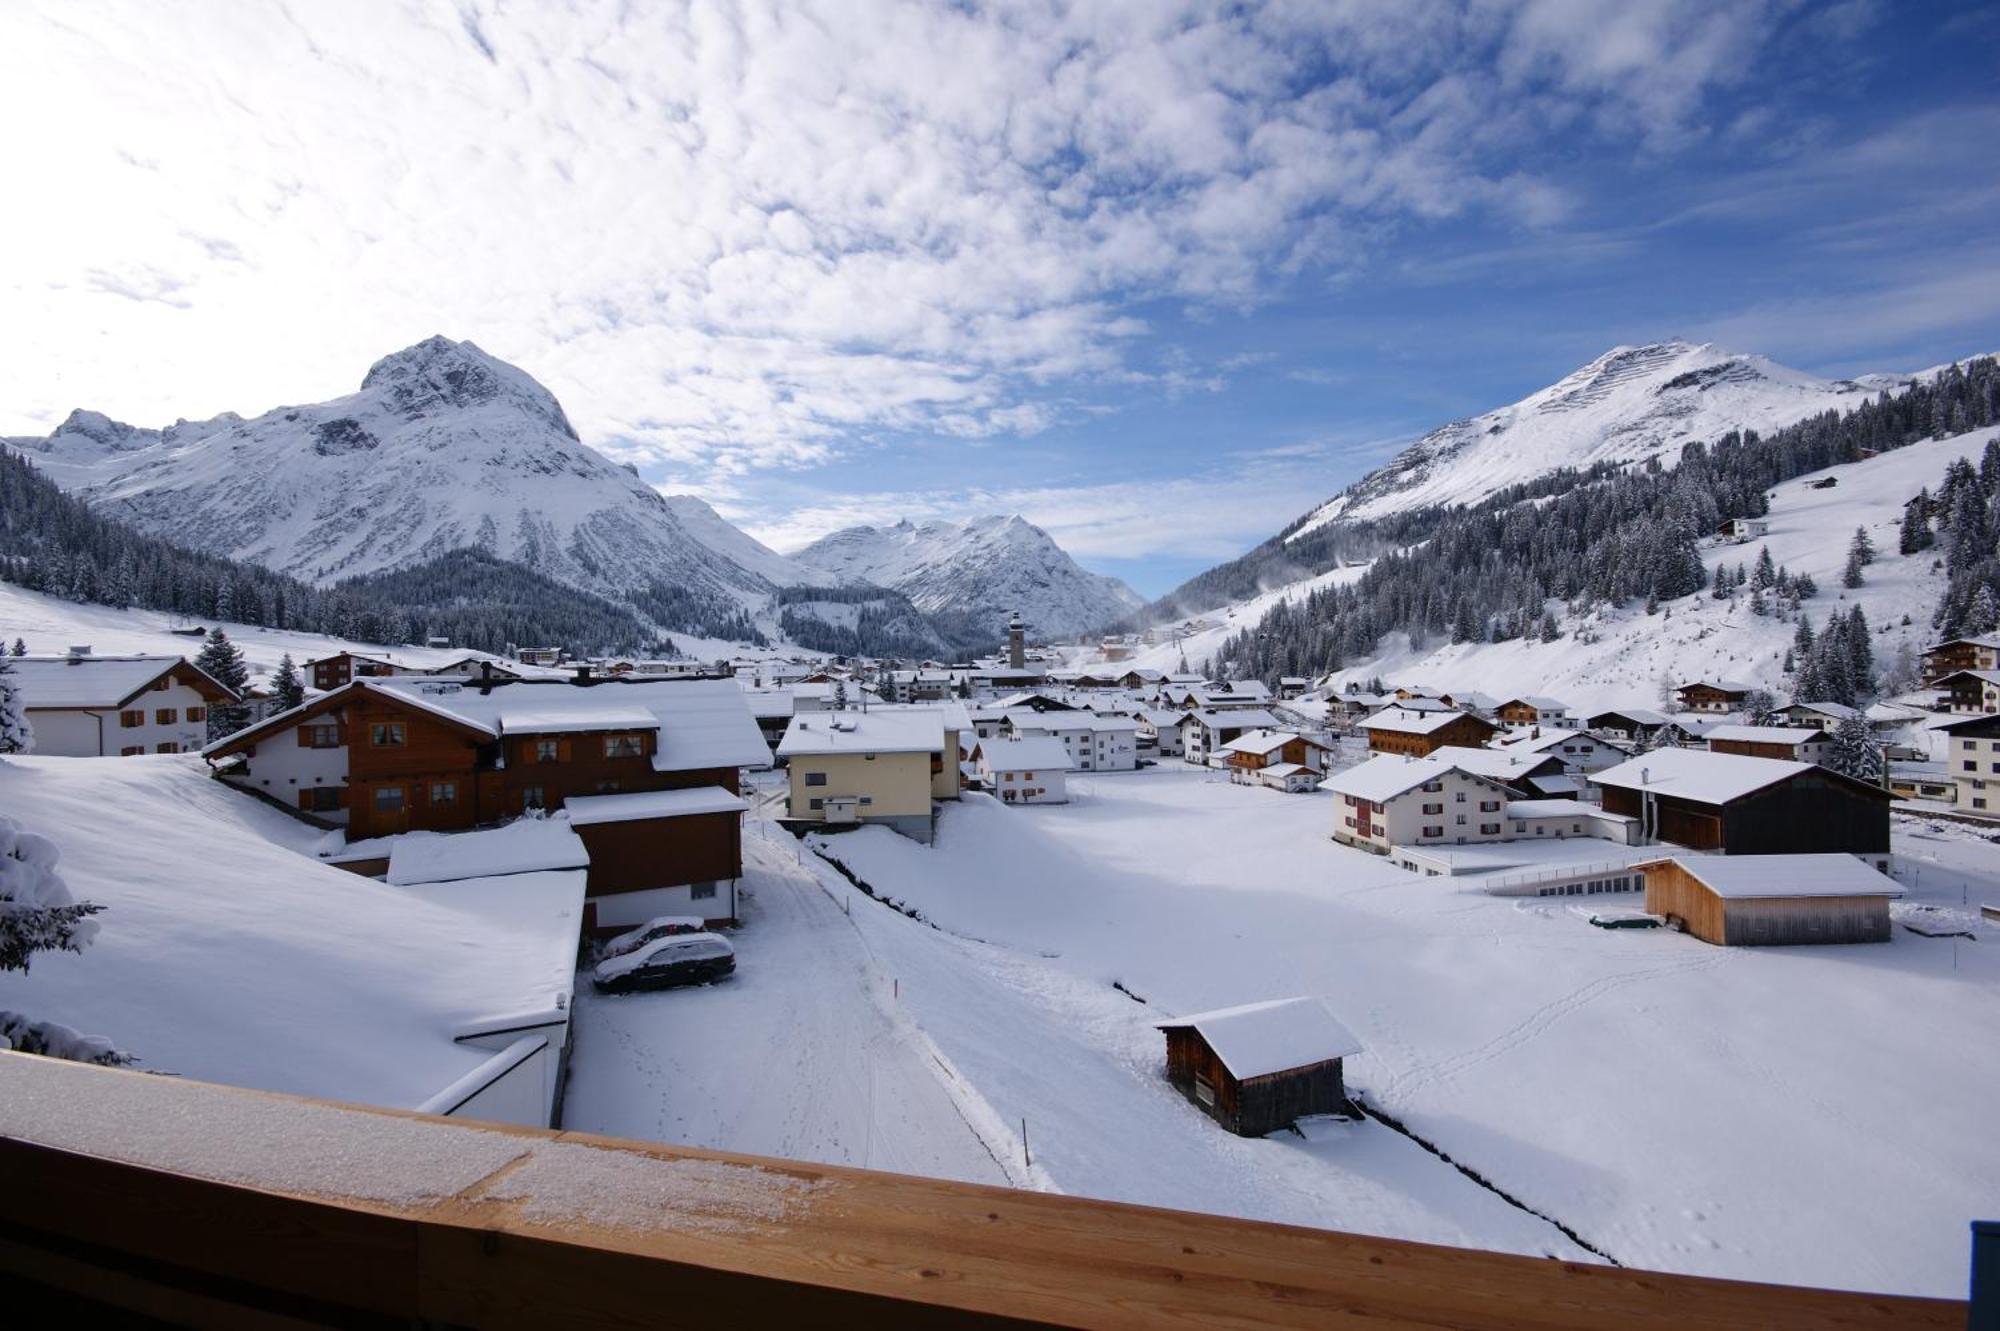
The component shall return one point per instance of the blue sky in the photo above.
(1159, 276)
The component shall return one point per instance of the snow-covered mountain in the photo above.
(443, 447)
(1629, 404)
(984, 569)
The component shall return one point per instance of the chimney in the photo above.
(1645, 776)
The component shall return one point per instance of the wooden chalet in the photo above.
(1771, 900)
(1956, 654)
(87, 706)
(1976, 691)
(1262, 1066)
(1748, 806)
(1793, 743)
(1255, 750)
(1398, 730)
(1532, 711)
(1627, 722)
(327, 673)
(1714, 695)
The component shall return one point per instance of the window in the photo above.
(623, 746)
(1489, 806)
(320, 735)
(197, 714)
(1433, 831)
(387, 735)
(1489, 829)
(165, 716)
(548, 751)
(1027, 776)
(444, 794)
(1203, 1091)
(816, 803)
(702, 892)
(1459, 797)
(867, 800)
(163, 683)
(1433, 787)
(1971, 766)
(131, 749)
(815, 778)
(388, 799)
(168, 747)
(134, 719)
(320, 799)
(1460, 820)
(1434, 808)
(531, 797)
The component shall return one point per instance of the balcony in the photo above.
(213, 1205)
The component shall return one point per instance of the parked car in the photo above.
(666, 963)
(664, 926)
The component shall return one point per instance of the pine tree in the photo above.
(1765, 572)
(16, 735)
(1915, 534)
(286, 685)
(20, 647)
(1854, 751)
(1851, 576)
(223, 663)
(840, 695)
(38, 914)
(1983, 615)
(1549, 631)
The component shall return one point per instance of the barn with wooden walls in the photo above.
(1771, 900)
(1261, 1066)
(1748, 806)
(1416, 734)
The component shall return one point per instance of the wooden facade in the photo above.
(645, 853)
(409, 769)
(1751, 748)
(1258, 1105)
(1810, 811)
(1948, 658)
(1701, 697)
(1464, 731)
(1299, 750)
(1674, 892)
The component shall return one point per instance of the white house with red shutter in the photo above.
(87, 706)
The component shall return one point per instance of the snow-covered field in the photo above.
(1811, 1115)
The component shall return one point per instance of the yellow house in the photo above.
(883, 765)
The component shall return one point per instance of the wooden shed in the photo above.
(1258, 1067)
(1748, 806)
(1769, 900)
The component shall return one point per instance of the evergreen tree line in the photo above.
(887, 625)
(1606, 537)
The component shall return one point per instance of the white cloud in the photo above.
(751, 236)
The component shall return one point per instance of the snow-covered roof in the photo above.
(1032, 754)
(1258, 1039)
(1027, 718)
(227, 955)
(1103, 724)
(1404, 721)
(1697, 774)
(1723, 685)
(1249, 718)
(1549, 739)
(1539, 702)
(638, 805)
(48, 682)
(1788, 735)
(525, 845)
(1839, 711)
(1498, 764)
(1266, 741)
(1746, 877)
(1288, 769)
(769, 702)
(878, 730)
(1560, 809)
(1388, 775)
(1644, 716)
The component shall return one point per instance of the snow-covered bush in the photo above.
(38, 914)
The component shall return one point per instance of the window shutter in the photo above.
(562, 750)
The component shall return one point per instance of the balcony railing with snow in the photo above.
(213, 1205)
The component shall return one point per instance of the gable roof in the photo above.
(50, 683)
(1405, 722)
(1268, 741)
(1788, 735)
(1714, 778)
(1387, 775)
(1247, 718)
(1721, 685)
(1497, 764)
(1258, 1039)
(879, 730)
(1644, 716)
(1749, 877)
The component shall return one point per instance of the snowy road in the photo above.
(801, 1054)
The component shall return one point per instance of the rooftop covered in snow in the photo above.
(1696, 774)
(85, 681)
(637, 806)
(1258, 1039)
(1748, 877)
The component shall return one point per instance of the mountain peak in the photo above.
(440, 373)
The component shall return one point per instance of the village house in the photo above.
(1739, 530)
(1981, 652)
(86, 706)
(772, 710)
(884, 765)
(1261, 1067)
(1925, 781)
(1805, 744)
(1534, 711)
(1628, 723)
(1768, 900)
(1204, 732)
(1023, 771)
(1293, 686)
(1714, 696)
(379, 757)
(1392, 801)
(1824, 715)
(1748, 806)
(1528, 774)
(1158, 729)
(1095, 743)
(1400, 730)
(914, 686)
(1974, 763)
(660, 852)
(1280, 759)
(1579, 751)
(1972, 691)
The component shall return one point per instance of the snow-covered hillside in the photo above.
(1618, 657)
(1629, 404)
(986, 568)
(443, 447)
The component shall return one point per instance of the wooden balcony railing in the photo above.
(217, 1206)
